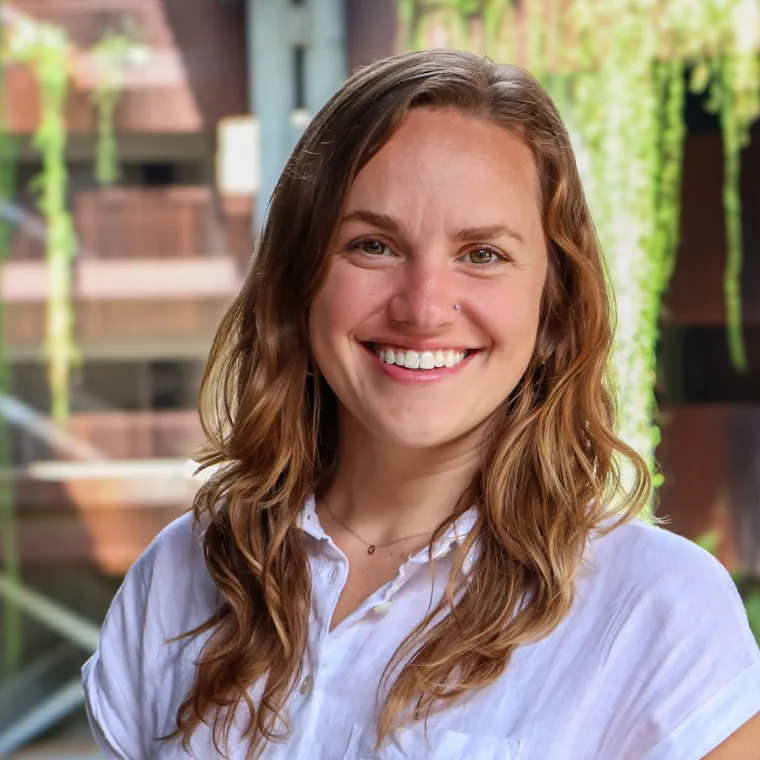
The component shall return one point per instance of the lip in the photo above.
(413, 376)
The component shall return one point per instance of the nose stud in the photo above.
(456, 306)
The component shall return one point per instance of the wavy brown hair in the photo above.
(551, 463)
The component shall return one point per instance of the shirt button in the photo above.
(306, 685)
(382, 607)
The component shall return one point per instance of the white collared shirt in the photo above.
(655, 660)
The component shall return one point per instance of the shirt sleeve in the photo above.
(699, 680)
(113, 677)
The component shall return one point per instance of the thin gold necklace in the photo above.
(370, 547)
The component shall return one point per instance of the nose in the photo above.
(423, 299)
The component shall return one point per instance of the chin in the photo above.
(409, 436)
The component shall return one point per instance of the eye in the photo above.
(371, 247)
(483, 255)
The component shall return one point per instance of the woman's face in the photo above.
(445, 215)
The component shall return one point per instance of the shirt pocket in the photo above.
(438, 744)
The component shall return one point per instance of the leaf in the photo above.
(709, 541)
(752, 605)
(700, 77)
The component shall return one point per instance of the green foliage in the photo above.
(709, 541)
(12, 626)
(112, 54)
(752, 605)
(46, 50)
(617, 70)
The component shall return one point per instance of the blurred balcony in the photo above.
(166, 223)
(176, 222)
(155, 270)
(193, 47)
(105, 509)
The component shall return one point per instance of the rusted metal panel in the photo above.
(695, 295)
(710, 456)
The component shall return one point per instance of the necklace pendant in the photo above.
(371, 549)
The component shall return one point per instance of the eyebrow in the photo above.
(465, 234)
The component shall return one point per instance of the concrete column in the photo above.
(276, 30)
(326, 59)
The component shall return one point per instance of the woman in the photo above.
(417, 543)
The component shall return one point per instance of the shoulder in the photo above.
(649, 564)
(179, 541)
(169, 587)
(174, 568)
(166, 593)
(659, 580)
(671, 640)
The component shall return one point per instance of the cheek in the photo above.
(513, 318)
(342, 305)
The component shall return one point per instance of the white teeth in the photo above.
(427, 360)
(420, 360)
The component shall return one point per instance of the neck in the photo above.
(385, 492)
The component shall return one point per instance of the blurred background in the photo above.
(139, 144)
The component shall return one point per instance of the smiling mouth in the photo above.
(419, 360)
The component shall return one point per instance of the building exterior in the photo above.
(162, 254)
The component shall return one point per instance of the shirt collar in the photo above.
(454, 535)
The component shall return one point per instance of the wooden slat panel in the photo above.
(143, 223)
(122, 329)
(171, 222)
(139, 435)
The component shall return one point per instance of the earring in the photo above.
(456, 306)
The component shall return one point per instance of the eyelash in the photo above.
(500, 257)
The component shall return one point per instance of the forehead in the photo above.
(450, 161)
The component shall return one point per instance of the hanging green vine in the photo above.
(113, 54)
(735, 95)
(106, 95)
(617, 71)
(46, 50)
